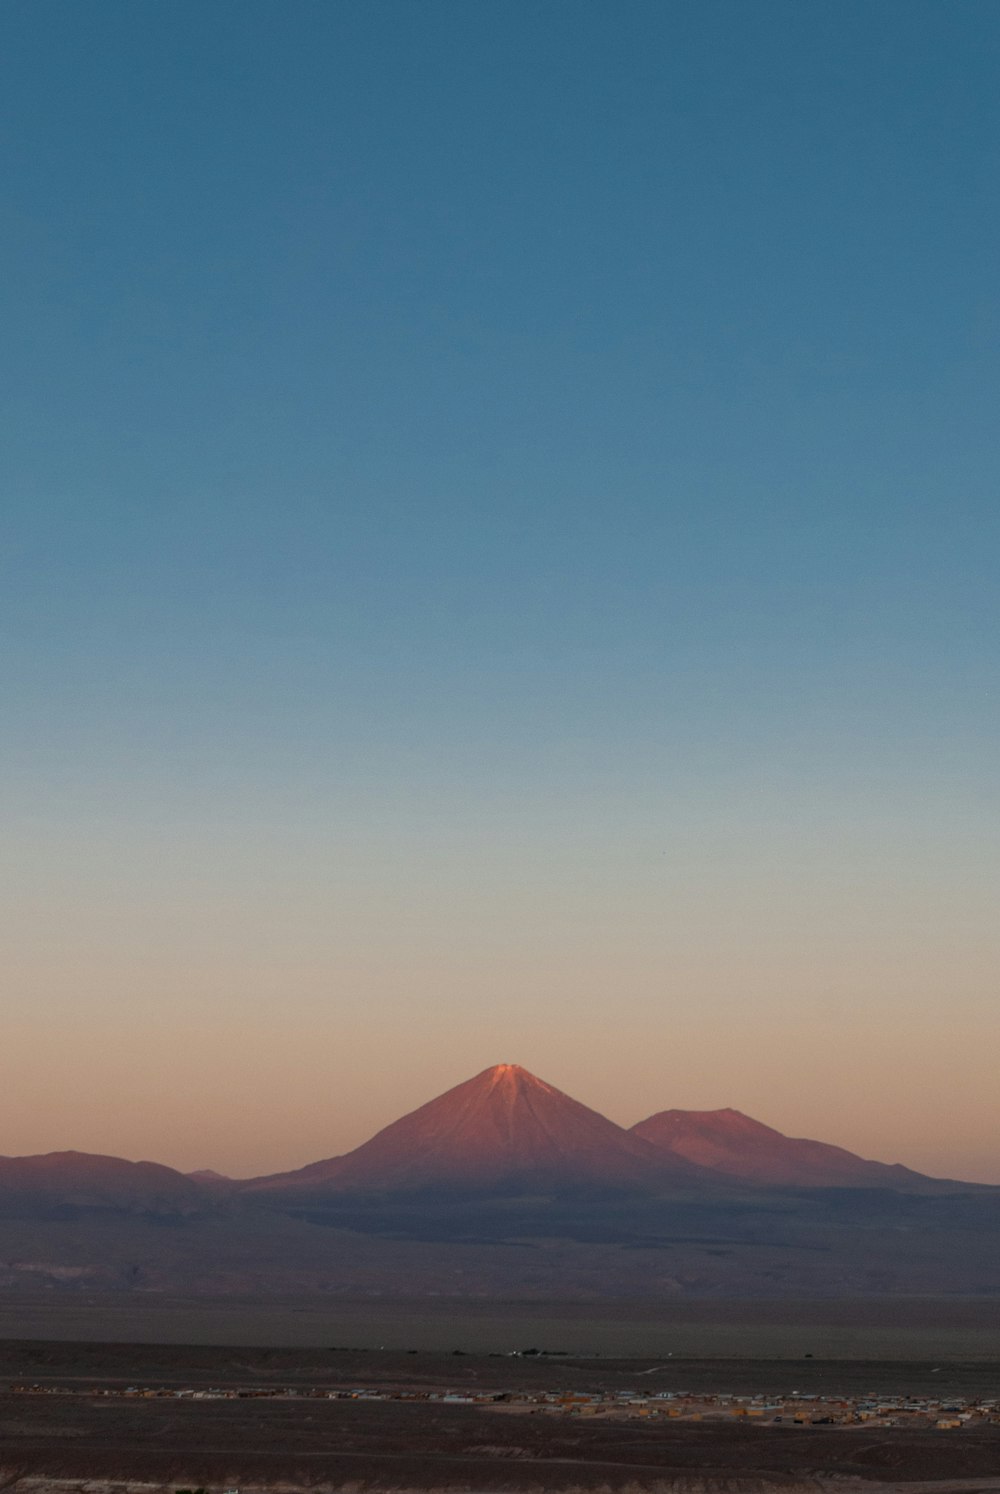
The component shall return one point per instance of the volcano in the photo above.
(505, 1187)
(503, 1128)
(739, 1147)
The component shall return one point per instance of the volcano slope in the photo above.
(502, 1187)
(735, 1145)
(503, 1129)
(506, 1163)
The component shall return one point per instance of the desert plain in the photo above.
(133, 1417)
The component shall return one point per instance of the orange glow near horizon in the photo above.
(251, 998)
(263, 1100)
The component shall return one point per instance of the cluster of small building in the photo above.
(795, 1409)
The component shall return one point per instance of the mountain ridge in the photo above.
(737, 1146)
(92, 1180)
(504, 1186)
(506, 1124)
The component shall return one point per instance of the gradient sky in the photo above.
(499, 563)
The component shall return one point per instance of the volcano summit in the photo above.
(504, 1127)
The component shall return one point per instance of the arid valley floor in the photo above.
(129, 1418)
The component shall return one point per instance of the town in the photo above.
(796, 1409)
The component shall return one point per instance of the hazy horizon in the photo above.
(498, 561)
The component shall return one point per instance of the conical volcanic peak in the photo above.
(502, 1126)
(735, 1145)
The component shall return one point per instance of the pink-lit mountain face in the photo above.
(502, 1126)
(736, 1146)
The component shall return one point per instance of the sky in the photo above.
(498, 563)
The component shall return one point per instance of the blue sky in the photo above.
(523, 475)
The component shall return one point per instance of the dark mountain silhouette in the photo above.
(736, 1146)
(500, 1128)
(71, 1181)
